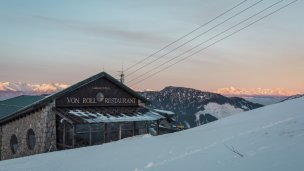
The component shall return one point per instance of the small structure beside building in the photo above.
(97, 110)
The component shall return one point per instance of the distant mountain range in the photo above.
(195, 107)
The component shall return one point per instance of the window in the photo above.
(127, 129)
(68, 134)
(89, 134)
(97, 134)
(31, 139)
(113, 130)
(14, 144)
(140, 128)
(82, 135)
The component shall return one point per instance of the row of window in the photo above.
(30, 140)
(81, 135)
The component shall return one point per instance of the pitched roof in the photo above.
(12, 105)
(44, 101)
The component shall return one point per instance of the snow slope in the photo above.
(219, 111)
(264, 139)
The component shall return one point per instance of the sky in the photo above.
(66, 41)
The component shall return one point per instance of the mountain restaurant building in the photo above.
(97, 110)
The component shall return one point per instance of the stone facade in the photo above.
(43, 123)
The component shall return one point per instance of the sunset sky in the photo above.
(66, 41)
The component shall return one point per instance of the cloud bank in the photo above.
(232, 91)
(31, 89)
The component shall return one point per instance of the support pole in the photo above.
(90, 135)
(147, 127)
(134, 125)
(157, 127)
(119, 134)
(105, 133)
(74, 136)
(63, 143)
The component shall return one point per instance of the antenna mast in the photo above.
(122, 75)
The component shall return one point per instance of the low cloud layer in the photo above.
(232, 91)
(31, 89)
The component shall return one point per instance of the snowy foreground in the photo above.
(268, 138)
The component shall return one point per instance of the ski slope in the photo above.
(264, 139)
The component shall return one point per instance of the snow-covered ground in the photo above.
(265, 139)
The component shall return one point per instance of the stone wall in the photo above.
(42, 122)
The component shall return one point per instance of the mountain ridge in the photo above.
(196, 107)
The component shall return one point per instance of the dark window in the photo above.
(68, 134)
(89, 134)
(113, 130)
(97, 138)
(82, 139)
(31, 139)
(127, 129)
(140, 128)
(82, 135)
(97, 134)
(14, 144)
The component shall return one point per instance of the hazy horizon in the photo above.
(50, 88)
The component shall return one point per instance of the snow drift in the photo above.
(264, 139)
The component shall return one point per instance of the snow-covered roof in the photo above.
(95, 115)
(164, 111)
